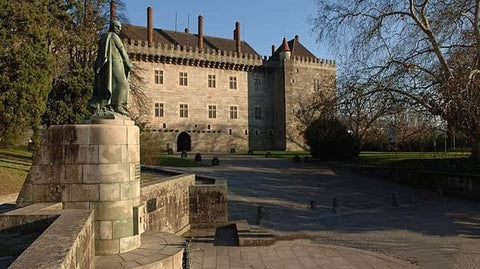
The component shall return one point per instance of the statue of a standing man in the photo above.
(110, 92)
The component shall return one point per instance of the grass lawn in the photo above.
(382, 158)
(14, 166)
(283, 154)
(457, 162)
(176, 161)
(450, 162)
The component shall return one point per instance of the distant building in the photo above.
(214, 94)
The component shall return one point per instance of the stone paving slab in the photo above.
(158, 250)
(300, 253)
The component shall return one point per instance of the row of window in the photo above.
(183, 80)
(212, 81)
(230, 131)
(212, 111)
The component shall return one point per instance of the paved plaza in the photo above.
(425, 229)
(296, 254)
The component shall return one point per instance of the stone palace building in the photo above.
(214, 94)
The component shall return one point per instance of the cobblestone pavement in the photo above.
(425, 229)
(296, 254)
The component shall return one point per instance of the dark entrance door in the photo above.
(184, 142)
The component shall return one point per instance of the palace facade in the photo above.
(216, 94)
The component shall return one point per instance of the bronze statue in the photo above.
(110, 92)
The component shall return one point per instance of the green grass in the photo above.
(14, 166)
(385, 158)
(282, 154)
(175, 161)
(450, 162)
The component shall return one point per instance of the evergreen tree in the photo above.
(25, 66)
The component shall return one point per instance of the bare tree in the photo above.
(427, 51)
(140, 103)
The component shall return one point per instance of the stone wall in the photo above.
(68, 242)
(167, 203)
(207, 134)
(300, 94)
(208, 204)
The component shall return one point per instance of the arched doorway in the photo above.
(184, 142)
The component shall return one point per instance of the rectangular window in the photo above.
(230, 131)
(183, 110)
(159, 110)
(258, 113)
(316, 85)
(212, 112)
(233, 112)
(183, 79)
(211, 81)
(233, 83)
(158, 76)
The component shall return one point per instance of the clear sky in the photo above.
(263, 22)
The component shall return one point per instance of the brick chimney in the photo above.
(297, 38)
(150, 26)
(187, 31)
(273, 49)
(238, 44)
(200, 32)
(113, 11)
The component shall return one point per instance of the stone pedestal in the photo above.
(92, 166)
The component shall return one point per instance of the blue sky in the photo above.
(263, 22)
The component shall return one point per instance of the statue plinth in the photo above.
(92, 166)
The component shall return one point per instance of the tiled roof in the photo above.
(296, 49)
(184, 39)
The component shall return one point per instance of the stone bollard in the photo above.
(198, 157)
(395, 199)
(412, 197)
(334, 205)
(259, 215)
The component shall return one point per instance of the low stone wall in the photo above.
(180, 201)
(68, 242)
(208, 204)
(167, 203)
(455, 183)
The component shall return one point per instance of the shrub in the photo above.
(250, 152)
(329, 139)
(296, 159)
(215, 161)
(184, 154)
(150, 148)
(198, 157)
(268, 155)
